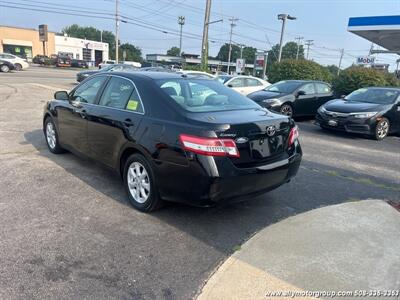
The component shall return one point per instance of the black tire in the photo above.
(152, 201)
(286, 109)
(4, 68)
(382, 129)
(53, 145)
(18, 67)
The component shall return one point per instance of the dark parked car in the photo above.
(294, 97)
(170, 144)
(6, 66)
(374, 111)
(108, 68)
(63, 61)
(79, 63)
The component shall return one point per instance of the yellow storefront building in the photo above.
(25, 42)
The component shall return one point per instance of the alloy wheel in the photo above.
(138, 182)
(18, 67)
(4, 68)
(382, 129)
(51, 135)
(286, 110)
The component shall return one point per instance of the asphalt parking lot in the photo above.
(67, 230)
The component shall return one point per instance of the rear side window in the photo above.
(87, 91)
(121, 93)
(203, 95)
(237, 82)
(323, 88)
(252, 82)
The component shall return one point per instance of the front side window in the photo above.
(308, 89)
(88, 90)
(323, 88)
(120, 93)
(202, 95)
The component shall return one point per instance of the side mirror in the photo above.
(342, 96)
(61, 95)
(230, 85)
(301, 93)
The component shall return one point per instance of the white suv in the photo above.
(18, 62)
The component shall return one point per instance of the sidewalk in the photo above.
(347, 247)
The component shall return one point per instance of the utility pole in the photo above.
(101, 36)
(308, 43)
(233, 20)
(298, 39)
(181, 22)
(204, 43)
(241, 50)
(340, 61)
(283, 17)
(116, 30)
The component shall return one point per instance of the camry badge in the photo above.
(241, 140)
(271, 130)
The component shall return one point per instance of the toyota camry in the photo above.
(174, 137)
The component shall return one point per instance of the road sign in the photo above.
(259, 61)
(240, 64)
(365, 60)
(43, 33)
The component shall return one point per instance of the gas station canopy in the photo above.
(381, 30)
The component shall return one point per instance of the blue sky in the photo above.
(324, 21)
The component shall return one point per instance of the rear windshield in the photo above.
(373, 95)
(202, 95)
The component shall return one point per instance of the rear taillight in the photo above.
(293, 135)
(209, 146)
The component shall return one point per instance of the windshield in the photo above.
(283, 87)
(224, 78)
(202, 95)
(374, 95)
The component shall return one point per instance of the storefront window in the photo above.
(21, 51)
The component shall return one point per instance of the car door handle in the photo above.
(81, 112)
(128, 123)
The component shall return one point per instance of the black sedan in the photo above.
(372, 111)
(294, 97)
(6, 66)
(109, 68)
(79, 63)
(174, 137)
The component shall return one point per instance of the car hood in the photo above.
(344, 106)
(262, 95)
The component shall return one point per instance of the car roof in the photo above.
(383, 88)
(304, 81)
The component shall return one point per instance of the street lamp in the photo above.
(283, 17)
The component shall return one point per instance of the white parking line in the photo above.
(47, 87)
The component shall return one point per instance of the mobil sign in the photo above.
(365, 60)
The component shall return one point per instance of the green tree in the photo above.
(289, 51)
(332, 69)
(224, 52)
(249, 54)
(356, 77)
(173, 51)
(133, 53)
(297, 69)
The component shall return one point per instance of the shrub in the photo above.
(354, 78)
(298, 69)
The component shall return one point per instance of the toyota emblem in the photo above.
(271, 130)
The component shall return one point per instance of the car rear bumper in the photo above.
(362, 126)
(208, 180)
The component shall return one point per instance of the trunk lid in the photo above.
(260, 136)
